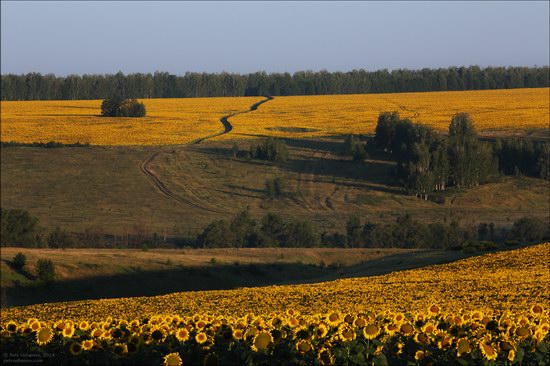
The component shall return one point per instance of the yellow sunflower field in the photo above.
(491, 309)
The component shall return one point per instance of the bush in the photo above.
(118, 107)
(46, 270)
(59, 238)
(19, 261)
(355, 148)
(271, 149)
(274, 187)
(529, 229)
(18, 228)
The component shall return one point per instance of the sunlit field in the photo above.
(322, 115)
(493, 307)
(179, 121)
(168, 121)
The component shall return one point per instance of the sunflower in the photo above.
(419, 355)
(536, 310)
(360, 322)
(12, 326)
(429, 328)
(321, 330)
(135, 339)
(35, 326)
(87, 345)
(462, 347)
(434, 309)
(44, 336)
(68, 332)
(334, 318)
(83, 325)
(346, 333)
(172, 359)
(325, 357)
(182, 334)
(406, 328)
(476, 315)
(445, 343)
(75, 348)
(399, 317)
(421, 338)
(261, 341)
(391, 329)
(488, 352)
(522, 332)
(371, 331)
(277, 334)
(304, 347)
(97, 333)
(511, 355)
(158, 334)
(238, 334)
(201, 337)
(120, 349)
(276, 322)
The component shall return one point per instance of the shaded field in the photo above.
(101, 273)
(103, 189)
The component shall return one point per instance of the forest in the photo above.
(35, 86)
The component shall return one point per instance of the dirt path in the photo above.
(146, 168)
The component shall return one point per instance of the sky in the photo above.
(106, 37)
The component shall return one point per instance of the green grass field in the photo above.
(103, 189)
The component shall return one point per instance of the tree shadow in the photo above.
(152, 283)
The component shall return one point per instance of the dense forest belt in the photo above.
(145, 166)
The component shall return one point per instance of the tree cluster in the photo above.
(270, 149)
(523, 157)
(355, 148)
(120, 107)
(429, 162)
(244, 231)
(35, 86)
(406, 232)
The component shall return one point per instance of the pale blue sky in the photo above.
(105, 37)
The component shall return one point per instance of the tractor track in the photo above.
(147, 170)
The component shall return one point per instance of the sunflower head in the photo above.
(182, 334)
(371, 331)
(462, 347)
(201, 337)
(488, 351)
(44, 336)
(262, 341)
(87, 345)
(304, 347)
(75, 348)
(172, 359)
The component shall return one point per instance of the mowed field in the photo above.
(486, 308)
(103, 189)
(179, 121)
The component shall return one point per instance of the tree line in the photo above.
(35, 86)
(21, 229)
